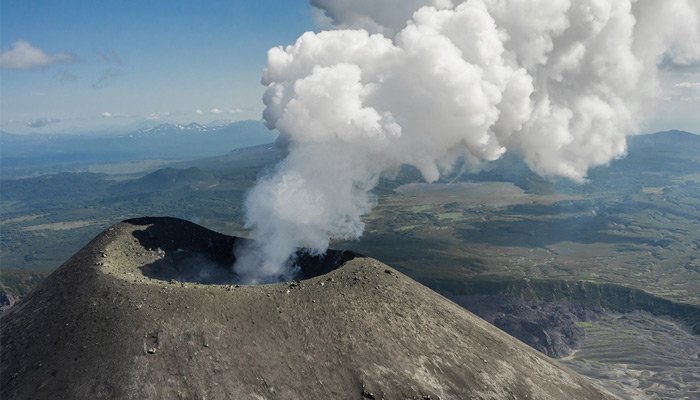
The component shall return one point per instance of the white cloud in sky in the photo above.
(687, 85)
(217, 111)
(22, 55)
(108, 114)
(684, 91)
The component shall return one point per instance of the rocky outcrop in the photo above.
(548, 327)
(7, 300)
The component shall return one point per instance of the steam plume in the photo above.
(429, 82)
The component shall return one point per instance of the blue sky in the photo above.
(117, 65)
(114, 64)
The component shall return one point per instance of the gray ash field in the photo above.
(99, 327)
(661, 361)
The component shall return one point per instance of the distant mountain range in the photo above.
(165, 128)
(162, 142)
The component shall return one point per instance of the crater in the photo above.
(188, 253)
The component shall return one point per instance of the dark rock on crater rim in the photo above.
(123, 320)
(194, 254)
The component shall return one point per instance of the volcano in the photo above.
(148, 310)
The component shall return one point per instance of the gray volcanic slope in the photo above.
(125, 318)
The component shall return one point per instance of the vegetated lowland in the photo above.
(557, 264)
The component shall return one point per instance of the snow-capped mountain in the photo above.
(165, 129)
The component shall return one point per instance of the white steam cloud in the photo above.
(430, 82)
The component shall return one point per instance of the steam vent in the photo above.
(130, 316)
